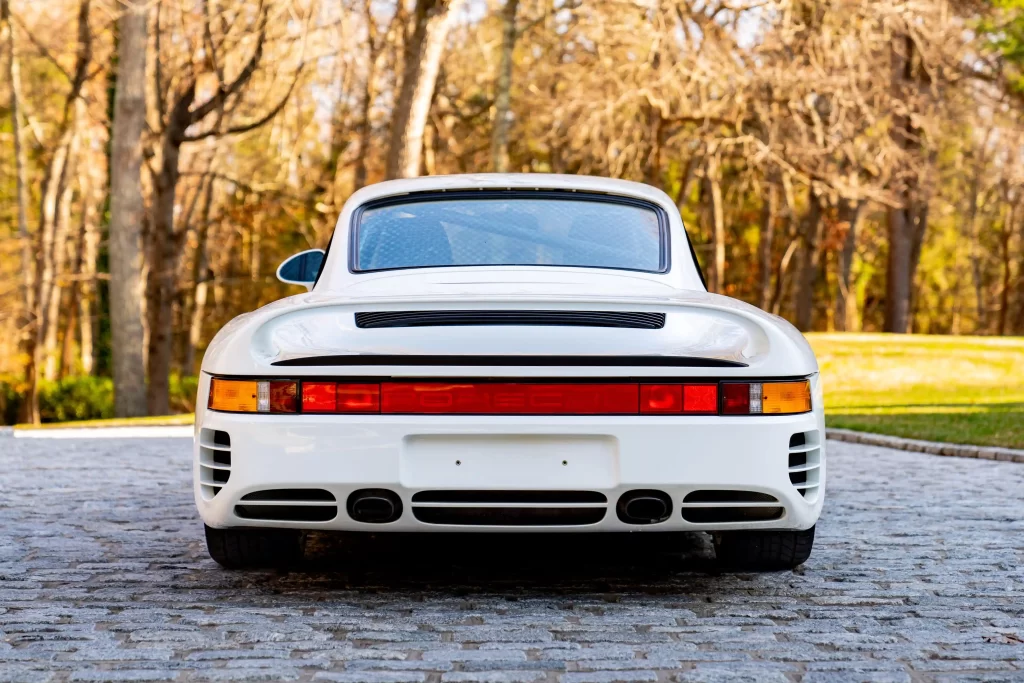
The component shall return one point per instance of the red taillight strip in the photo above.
(466, 397)
(508, 398)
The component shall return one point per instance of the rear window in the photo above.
(511, 229)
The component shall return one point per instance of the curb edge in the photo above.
(930, 447)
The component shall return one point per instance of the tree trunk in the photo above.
(1018, 323)
(846, 315)
(906, 227)
(161, 281)
(364, 131)
(30, 408)
(421, 63)
(906, 224)
(59, 259)
(73, 309)
(87, 272)
(200, 275)
(769, 210)
(1006, 263)
(503, 90)
(809, 263)
(716, 281)
(974, 250)
(126, 212)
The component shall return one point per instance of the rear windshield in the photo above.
(516, 229)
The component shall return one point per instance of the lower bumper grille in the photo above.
(508, 516)
(509, 508)
(510, 497)
(721, 507)
(288, 513)
(288, 505)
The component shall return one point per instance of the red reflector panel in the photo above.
(283, 398)
(358, 398)
(735, 399)
(700, 399)
(319, 397)
(660, 399)
(509, 398)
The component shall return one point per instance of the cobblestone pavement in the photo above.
(917, 575)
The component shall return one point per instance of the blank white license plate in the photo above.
(510, 462)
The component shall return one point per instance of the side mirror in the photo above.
(302, 268)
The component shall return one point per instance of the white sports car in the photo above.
(508, 353)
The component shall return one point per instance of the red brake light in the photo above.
(661, 398)
(331, 397)
(735, 399)
(319, 397)
(507, 398)
(700, 399)
(358, 398)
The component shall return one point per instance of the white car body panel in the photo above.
(413, 453)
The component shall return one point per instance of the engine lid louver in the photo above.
(640, 320)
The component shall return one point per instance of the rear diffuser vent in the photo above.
(508, 516)
(805, 463)
(288, 505)
(721, 507)
(214, 461)
(628, 319)
(509, 508)
(509, 497)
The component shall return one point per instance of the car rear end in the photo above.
(432, 441)
(510, 353)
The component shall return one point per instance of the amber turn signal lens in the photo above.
(786, 397)
(234, 396)
(245, 396)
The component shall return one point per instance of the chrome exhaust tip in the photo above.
(374, 506)
(644, 507)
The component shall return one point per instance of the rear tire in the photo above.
(249, 548)
(768, 550)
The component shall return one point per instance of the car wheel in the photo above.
(764, 550)
(243, 548)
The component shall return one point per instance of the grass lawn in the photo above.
(940, 388)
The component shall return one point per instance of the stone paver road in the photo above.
(917, 575)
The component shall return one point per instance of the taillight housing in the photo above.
(467, 397)
(768, 398)
(253, 396)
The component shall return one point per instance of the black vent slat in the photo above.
(738, 497)
(509, 516)
(509, 497)
(627, 319)
(289, 495)
(288, 513)
(729, 515)
(516, 361)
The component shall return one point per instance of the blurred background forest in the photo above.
(851, 165)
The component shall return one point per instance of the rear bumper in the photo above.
(411, 454)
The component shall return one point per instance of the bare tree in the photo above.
(503, 89)
(127, 211)
(180, 119)
(846, 314)
(27, 283)
(424, 47)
